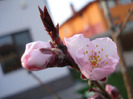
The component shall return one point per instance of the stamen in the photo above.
(96, 45)
(98, 56)
(92, 51)
(106, 55)
(99, 52)
(95, 58)
(93, 61)
(86, 51)
(87, 45)
(100, 59)
(106, 62)
(102, 49)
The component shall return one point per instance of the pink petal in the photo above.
(75, 42)
(108, 46)
(33, 58)
(82, 59)
(37, 45)
(112, 91)
(100, 73)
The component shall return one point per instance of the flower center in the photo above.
(94, 61)
(95, 57)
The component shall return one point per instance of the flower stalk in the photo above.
(102, 89)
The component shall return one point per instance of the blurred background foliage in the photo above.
(116, 79)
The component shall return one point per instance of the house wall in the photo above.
(119, 12)
(90, 21)
(17, 15)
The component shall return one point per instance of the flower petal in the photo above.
(106, 46)
(37, 45)
(75, 42)
(100, 73)
(33, 58)
(112, 91)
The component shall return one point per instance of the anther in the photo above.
(99, 52)
(100, 59)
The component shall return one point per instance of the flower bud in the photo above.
(112, 91)
(33, 59)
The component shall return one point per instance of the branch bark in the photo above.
(54, 34)
(103, 90)
(44, 86)
(119, 48)
(129, 13)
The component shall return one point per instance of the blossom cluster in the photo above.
(96, 59)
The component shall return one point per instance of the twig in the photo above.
(54, 34)
(102, 89)
(129, 13)
(44, 86)
(49, 26)
(123, 67)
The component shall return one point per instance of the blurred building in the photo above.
(20, 23)
(90, 21)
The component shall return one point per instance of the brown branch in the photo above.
(123, 67)
(116, 39)
(102, 89)
(129, 13)
(49, 26)
(44, 85)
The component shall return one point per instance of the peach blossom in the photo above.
(96, 59)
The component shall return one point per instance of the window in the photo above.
(11, 48)
(125, 1)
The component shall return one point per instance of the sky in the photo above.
(60, 9)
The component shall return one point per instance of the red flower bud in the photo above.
(112, 91)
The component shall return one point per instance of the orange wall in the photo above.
(119, 12)
(91, 18)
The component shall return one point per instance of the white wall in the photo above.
(13, 18)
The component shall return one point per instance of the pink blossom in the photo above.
(33, 58)
(96, 59)
(112, 91)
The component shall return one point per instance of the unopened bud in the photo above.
(112, 91)
(33, 59)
